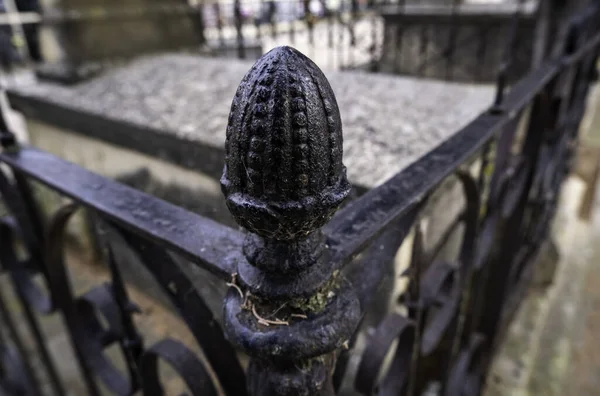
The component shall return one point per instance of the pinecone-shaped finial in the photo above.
(284, 176)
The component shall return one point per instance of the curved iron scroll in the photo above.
(90, 338)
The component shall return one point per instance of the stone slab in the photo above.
(466, 42)
(389, 122)
(80, 31)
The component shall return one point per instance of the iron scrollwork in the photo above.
(91, 336)
(302, 275)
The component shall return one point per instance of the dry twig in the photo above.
(236, 287)
(267, 322)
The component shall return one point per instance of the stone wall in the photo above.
(193, 190)
(467, 45)
(81, 31)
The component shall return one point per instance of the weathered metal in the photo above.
(303, 276)
(283, 180)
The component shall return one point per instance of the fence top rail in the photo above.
(212, 246)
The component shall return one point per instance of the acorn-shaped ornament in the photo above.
(283, 176)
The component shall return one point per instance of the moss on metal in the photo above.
(318, 301)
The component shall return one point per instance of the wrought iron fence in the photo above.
(450, 40)
(340, 34)
(302, 274)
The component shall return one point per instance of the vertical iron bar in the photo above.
(293, 19)
(373, 9)
(7, 138)
(32, 208)
(273, 11)
(13, 335)
(451, 48)
(35, 228)
(62, 293)
(500, 88)
(415, 308)
(34, 224)
(330, 38)
(132, 341)
(466, 270)
(499, 277)
(341, 35)
(481, 50)
(38, 336)
(399, 39)
(258, 19)
(237, 13)
(200, 23)
(219, 22)
(482, 178)
(423, 49)
(504, 70)
(352, 31)
(309, 19)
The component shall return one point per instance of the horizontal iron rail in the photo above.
(212, 246)
(357, 224)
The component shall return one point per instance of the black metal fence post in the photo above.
(283, 180)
